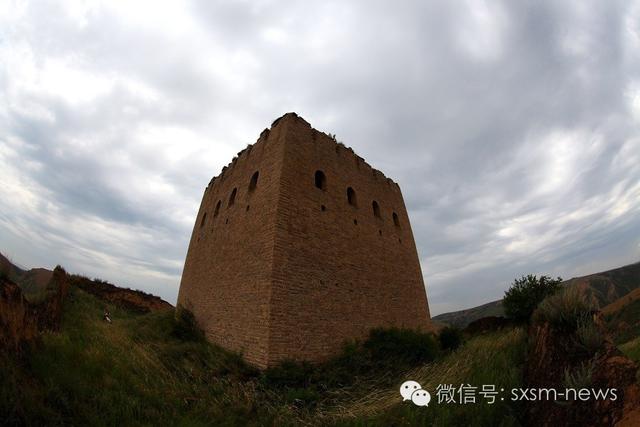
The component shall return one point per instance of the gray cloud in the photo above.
(511, 128)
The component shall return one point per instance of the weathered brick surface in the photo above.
(301, 270)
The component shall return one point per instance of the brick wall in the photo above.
(227, 274)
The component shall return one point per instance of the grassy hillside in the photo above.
(152, 370)
(609, 286)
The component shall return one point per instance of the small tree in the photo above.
(524, 295)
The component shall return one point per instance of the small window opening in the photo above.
(232, 197)
(204, 220)
(254, 181)
(247, 208)
(396, 221)
(323, 208)
(376, 209)
(351, 197)
(320, 180)
(355, 222)
(217, 210)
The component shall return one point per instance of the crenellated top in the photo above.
(339, 147)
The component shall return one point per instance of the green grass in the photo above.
(95, 373)
(631, 349)
(153, 370)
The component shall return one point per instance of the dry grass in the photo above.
(370, 399)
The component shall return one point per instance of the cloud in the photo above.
(511, 128)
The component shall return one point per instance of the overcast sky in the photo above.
(511, 127)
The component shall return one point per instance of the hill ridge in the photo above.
(605, 287)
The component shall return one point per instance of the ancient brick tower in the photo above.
(298, 246)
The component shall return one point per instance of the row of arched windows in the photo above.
(253, 183)
(320, 180)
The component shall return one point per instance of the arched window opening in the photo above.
(232, 198)
(320, 180)
(376, 209)
(254, 181)
(203, 221)
(217, 210)
(396, 221)
(351, 197)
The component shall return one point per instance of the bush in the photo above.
(186, 327)
(524, 295)
(580, 377)
(588, 335)
(564, 310)
(401, 345)
(450, 338)
(385, 352)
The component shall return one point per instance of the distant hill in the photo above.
(9, 269)
(609, 286)
(31, 282)
(605, 288)
(462, 318)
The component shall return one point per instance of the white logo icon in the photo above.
(407, 388)
(411, 390)
(421, 397)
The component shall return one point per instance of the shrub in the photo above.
(564, 310)
(588, 335)
(385, 352)
(580, 377)
(450, 338)
(406, 345)
(186, 327)
(524, 295)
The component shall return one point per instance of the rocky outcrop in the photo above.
(132, 300)
(18, 322)
(49, 310)
(21, 320)
(552, 354)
